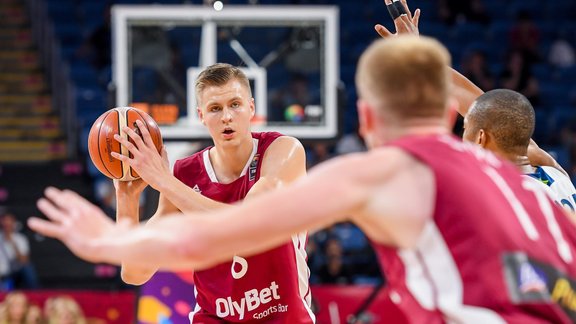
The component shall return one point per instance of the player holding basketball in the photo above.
(500, 120)
(461, 236)
(271, 286)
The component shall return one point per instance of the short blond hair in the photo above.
(406, 76)
(218, 75)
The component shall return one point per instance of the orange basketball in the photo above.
(101, 142)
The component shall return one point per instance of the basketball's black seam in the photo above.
(120, 131)
(98, 144)
(98, 138)
(148, 128)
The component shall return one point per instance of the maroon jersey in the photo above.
(496, 249)
(268, 287)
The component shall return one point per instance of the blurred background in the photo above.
(56, 78)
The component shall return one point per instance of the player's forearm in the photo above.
(187, 199)
(158, 244)
(128, 207)
(465, 91)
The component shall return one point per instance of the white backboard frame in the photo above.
(124, 16)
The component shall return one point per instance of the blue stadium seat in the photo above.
(351, 237)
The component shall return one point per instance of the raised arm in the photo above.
(464, 90)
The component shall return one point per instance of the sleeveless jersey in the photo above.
(269, 287)
(559, 184)
(495, 250)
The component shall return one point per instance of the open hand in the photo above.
(80, 225)
(150, 165)
(404, 24)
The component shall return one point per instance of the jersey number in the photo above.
(524, 217)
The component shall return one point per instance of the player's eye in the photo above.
(235, 104)
(214, 109)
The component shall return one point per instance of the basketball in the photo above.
(101, 142)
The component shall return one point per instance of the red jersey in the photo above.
(496, 249)
(269, 287)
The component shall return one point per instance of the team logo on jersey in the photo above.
(253, 167)
(197, 189)
(530, 279)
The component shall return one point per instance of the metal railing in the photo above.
(57, 71)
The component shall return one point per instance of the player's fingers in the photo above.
(57, 197)
(165, 156)
(145, 133)
(136, 138)
(50, 210)
(81, 205)
(382, 31)
(416, 18)
(387, 2)
(120, 157)
(405, 4)
(406, 20)
(45, 228)
(127, 144)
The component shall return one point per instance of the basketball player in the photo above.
(460, 234)
(239, 166)
(501, 120)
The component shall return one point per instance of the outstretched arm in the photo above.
(380, 199)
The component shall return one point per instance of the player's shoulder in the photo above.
(191, 160)
(281, 143)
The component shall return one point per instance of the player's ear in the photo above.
(365, 118)
(482, 138)
(200, 115)
(252, 108)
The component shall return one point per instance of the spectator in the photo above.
(34, 315)
(97, 48)
(66, 310)
(561, 53)
(457, 11)
(517, 76)
(317, 153)
(16, 271)
(351, 143)
(475, 68)
(14, 308)
(525, 37)
(334, 271)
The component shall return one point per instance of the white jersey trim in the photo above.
(432, 277)
(210, 169)
(299, 244)
(197, 308)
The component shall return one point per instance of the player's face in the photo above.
(226, 111)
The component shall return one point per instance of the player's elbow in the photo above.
(136, 278)
(195, 253)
